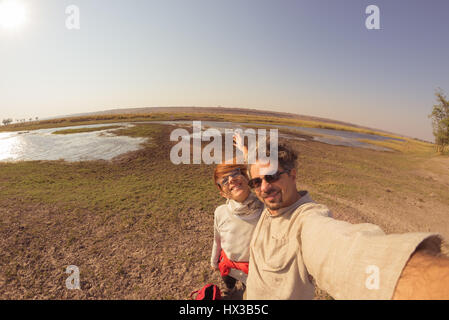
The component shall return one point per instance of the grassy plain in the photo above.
(164, 116)
(140, 227)
(81, 130)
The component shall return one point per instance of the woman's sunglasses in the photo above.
(234, 174)
(270, 178)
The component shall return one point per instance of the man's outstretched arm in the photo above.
(425, 276)
(359, 261)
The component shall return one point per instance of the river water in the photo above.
(44, 145)
(104, 145)
(334, 137)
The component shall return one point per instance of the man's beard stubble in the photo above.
(272, 205)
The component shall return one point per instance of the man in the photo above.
(297, 238)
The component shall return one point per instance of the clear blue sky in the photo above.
(308, 57)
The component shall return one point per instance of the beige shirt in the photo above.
(349, 261)
(234, 224)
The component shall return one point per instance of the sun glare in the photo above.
(12, 14)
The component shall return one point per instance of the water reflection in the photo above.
(44, 145)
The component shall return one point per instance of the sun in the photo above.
(12, 14)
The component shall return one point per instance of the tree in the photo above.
(440, 121)
(7, 121)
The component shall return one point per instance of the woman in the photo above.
(234, 223)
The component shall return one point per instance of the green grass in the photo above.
(81, 130)
(149, 184)
(409, 146)
(150, 180)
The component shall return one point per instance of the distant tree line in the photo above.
(440, 121)
(10, 120)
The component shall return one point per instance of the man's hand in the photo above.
(425, 277)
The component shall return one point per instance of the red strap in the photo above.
(216, 295)
(225, 265)
(193, 293)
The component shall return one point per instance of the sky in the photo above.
(310, 57)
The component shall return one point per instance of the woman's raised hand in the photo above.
(239, 144)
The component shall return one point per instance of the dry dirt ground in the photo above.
(400, 210)
(134, 257)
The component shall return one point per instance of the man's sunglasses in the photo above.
(270, 178)
(234, 174)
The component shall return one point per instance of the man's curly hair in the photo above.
(287, 156)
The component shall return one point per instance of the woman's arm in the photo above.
(216, 248)
(240, 145)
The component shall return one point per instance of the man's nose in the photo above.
(265, 186)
